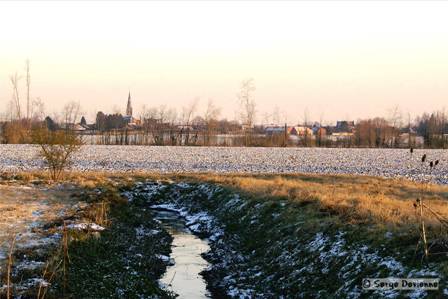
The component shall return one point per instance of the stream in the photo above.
(183, 276)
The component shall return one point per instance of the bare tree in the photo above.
(28, 84)
(70, 113)
(395, 119)
(266, 118)
(210, 118)
(37, 112)
(320, 129)
(159, 117)
(56, 148)
(158, 122)
(306, 118)
(10, 111)
(16, 131)
(16, 96)
(442, 127)
(410, 142)
(161, 113)
(188, 113)
(276, 115)
(148, 118)
(247, 103)
(171, 118)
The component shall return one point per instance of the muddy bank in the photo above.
(261, 247)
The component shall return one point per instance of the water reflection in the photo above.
(183, 277)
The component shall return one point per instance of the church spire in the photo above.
(129, 106)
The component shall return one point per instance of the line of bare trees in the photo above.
(165, 126)
(17, 125)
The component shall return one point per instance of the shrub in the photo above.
(56, 148)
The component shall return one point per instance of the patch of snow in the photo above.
(393, 265)
(417, 294)
(166, 259)
(318, 242)
(86, 226)
(28, 265)
(167, 206)
(141, 232)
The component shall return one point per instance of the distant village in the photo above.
(159, 128)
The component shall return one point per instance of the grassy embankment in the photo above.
(121, 261)
(354, 199)
(367, 209)
(311, 234)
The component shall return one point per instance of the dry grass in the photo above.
(18, 206)
(356, 199)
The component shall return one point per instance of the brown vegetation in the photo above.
(57, 148)
(355, 199)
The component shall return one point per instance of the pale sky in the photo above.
(338, 60)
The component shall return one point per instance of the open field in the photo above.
(374, 162)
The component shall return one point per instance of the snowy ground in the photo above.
(31, 214)
(23, 210)
(377, 162)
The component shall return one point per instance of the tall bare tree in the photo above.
(16, 96)
(28, 85)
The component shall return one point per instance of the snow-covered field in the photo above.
(377, 162)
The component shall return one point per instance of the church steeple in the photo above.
(129, 106)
